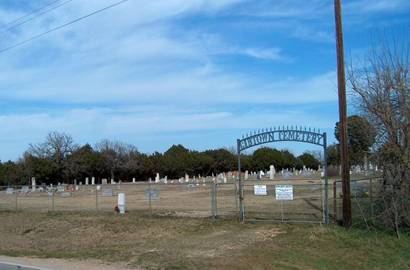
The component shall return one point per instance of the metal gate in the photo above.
(281, 134)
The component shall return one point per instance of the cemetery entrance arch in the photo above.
(282, 134)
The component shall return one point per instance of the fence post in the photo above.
(213, 199)
(149, 198)
(96, 198)
(214, 202)
(15, 191)
(326, 205)
(335, 202)
(52, 199)
(371, 198)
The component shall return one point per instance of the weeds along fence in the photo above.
(364, 199)
(203, 200)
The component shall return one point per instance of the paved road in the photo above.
(11, 266)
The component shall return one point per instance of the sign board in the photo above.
(284, 192)
(152, 193)
(260, 190)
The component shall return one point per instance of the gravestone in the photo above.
(107, 192)
(9, 190)
(65, 194)
(186, 178)
(104, 181)
(93, 180)
(157, 178)
(86, 181)
(60, 188)
(246, 175)
(190, 187)
(133, 180)
(33, 183)
(25, 189)
(151, 194)
(271, 172)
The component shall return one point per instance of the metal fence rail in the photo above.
(204, 199)
(197, 200)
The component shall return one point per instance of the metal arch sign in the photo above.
(278, 135)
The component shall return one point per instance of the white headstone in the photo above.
(133, 180)
(157, 178)
(86, 181)
(186, 178)
(93, 180)
(33, 183)
(246, 175)
(104, 181)
(271, 172)
(121, 202)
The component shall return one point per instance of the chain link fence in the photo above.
(205, 199)
(187, 199)
(364, 196)
(305, 203)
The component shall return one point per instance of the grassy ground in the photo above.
(188, 243)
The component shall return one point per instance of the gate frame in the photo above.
(282, 134)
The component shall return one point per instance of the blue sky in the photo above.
(197, 72)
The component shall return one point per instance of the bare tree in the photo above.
(382, 88)
(57, 147)
(116, 154)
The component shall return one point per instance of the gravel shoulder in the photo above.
(60, 264)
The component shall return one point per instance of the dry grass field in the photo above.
(196, 243)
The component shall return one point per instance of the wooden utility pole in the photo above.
(344, 155)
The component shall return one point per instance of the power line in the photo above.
(32, 12)
(61, 26)
(16, 22)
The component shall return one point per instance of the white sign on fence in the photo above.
(260, 190)
(284, 192)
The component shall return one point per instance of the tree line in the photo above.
(60, 159)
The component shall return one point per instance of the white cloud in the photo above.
(376, 6)
(138, 124)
